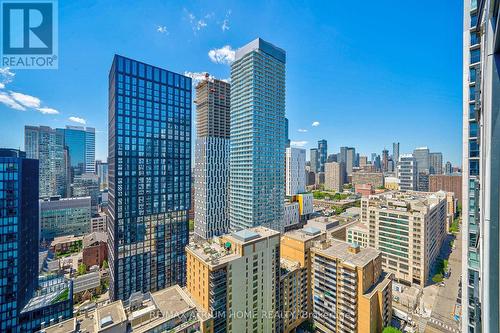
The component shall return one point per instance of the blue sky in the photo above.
(368, 72)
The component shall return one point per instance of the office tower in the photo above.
(385, 160)
(480, 224)
(407, 172)
(395, 151)
(423, 181)
(391, 166)
(331, 158)
(350, 291)
(363, 161)
(257, 152)
(237, 273)
(26, 303)
(448, 168)
(149, 177)
(87, 185)
(421, 217)
(377, 164)
(323, 154)
(295, 177)
(102, 172)
(362, 177)
(435, 163)
(80, 142)
(310, 177)
(47, 146)
(63, 217)
(350, 160)
(314, 159)
(211, 172)
(422, 157)
(447, 183)
(287, 135)
(374, 156)
(334, 176)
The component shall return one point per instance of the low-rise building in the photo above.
(291, 217)
(391, 183)
(364, 189)
(98, 222)
(447, 183)
(305, 201)
(95, 249)
(358, 234)
(66, 244)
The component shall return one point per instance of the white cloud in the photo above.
(48, 111)
(225, 23)
(6, 76)
(77, 120)
(224, 55)
(200, 25)
(315, 124)
(2, 85)
(298, 143)
(26, 100)
(10, 102)
(162, 29)
(302, 130)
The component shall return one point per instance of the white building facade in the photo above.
(295, 176)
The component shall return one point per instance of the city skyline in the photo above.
(201, 34)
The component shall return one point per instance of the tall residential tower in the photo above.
(211, 173)
(257, 148)
(149, 177)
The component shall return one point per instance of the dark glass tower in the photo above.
(149, 176)
(18, 234)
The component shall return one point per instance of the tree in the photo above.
(105, 264)
(390, 329)
(82, 269)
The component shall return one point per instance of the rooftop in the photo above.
(110, 315)
(304, 234)
(341, 250)
(406, 201)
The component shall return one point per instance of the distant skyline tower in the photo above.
(80, 142)
(395, 152)
(385, 160)
(257, 153)
(422, 157)
(149, 177)
(211, 172)
(435, 163)
(47, 146)
(19, 234)
(448, 168)
(323, 154)
(314, 159)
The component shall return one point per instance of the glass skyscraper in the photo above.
(323, 154)
(257, 139)
(47, 146)
(80, 142)
(149, 177)
(18, 233)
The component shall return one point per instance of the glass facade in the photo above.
(80, 142)
(149, 176)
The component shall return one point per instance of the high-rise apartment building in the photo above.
(149, 177)
(47, 146)
(80, 142)
(448, 183)
(395, 151)
(295, 177)
(26, 301)
(236, 279)
(448, 168)
(350, 161)
(257, 148)
(334, 176)
(480, 173)
(407, 172)
(64, 217)
(314, 159)
(350, 291)
(211, 173)
(435, 163)
(363, 161)
(323, 154)
(408, 228)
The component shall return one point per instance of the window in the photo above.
(473, 129)
(475, 56)
(472, 75)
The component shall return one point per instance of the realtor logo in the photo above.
(29, 34)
